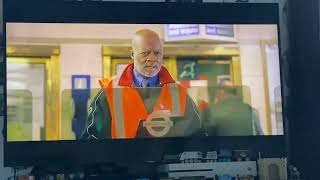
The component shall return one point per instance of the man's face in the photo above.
(147, 55)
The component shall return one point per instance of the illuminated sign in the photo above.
(215, 32)
(182, 30)
(219, 30)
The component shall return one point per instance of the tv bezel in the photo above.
(134, 150)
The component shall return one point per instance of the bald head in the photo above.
(147, 52)
(145, 35)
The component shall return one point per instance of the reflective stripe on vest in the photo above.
(127, 108)
(118, 112)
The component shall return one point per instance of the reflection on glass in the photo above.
(222, 112)
(68, 113)
(206, 111)
(19, 114)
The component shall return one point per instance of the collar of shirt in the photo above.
(153, 81)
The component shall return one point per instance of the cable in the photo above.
(202, 124)
(95, 108)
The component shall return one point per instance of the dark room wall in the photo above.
(305, 69)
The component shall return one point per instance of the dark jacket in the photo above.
(98, 124)
(232, 117)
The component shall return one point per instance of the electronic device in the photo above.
(210, 169)
(206, 46)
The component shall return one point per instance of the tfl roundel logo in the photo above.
(158, 123)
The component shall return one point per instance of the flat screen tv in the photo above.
(63, 58)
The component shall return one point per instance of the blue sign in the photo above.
(80, 95)
(80, 82)
(182, 30)
(220, 30)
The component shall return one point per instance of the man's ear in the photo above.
(131, 53)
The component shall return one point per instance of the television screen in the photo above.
(100, 78)
(230, 75)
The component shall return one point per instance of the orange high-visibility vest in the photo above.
(104, 82)
(127, 108)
